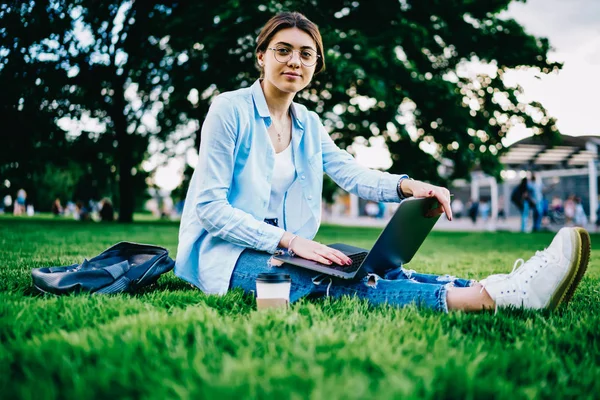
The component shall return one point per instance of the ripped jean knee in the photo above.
(402, 291)
(448, 280)
(371, 280)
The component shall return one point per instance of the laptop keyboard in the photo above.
(357, 259)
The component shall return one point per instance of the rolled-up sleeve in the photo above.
(213, 177)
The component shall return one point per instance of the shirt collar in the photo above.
(296, 116)
(259, 100)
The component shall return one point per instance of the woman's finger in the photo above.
(345, 260)
(445, 204)
(344, 257)
(329, 255)
(320, 259)
(434, 212)
(333, 256)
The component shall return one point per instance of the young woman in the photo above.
(257, 188)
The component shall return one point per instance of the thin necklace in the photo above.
(280, 132)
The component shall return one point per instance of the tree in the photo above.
(32, 94)
(116, 57)
(146, 69)
(393, 69)
(84, 55)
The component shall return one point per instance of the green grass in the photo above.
(172, 341)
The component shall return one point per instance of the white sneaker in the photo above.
(544, 280)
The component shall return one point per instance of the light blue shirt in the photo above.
(229, 192)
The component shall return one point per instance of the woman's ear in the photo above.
(260, 59)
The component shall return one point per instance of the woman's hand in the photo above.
(318, 252)
(312, 250)
(422, 189)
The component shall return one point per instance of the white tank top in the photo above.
(284, 173)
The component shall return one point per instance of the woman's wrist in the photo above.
(404, 187)
(286, 240)
(291, 242)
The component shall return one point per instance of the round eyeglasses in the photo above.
(308, 57)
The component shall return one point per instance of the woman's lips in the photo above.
(291, 76)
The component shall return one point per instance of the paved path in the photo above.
(512, 224)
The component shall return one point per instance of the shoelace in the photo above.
(515, 266)
(543, 256)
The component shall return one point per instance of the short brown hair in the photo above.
(286, 20)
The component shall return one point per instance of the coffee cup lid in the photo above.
(273, 277)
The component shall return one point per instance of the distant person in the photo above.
(473, 209)
(580, 218)
(501, 204)
(179, 207)
(153, 206)
(69, 209)
(570, 207)
(107, 212)
(484, 209)
(457, 207)
(556, 211)
(57, 208)
(81, 212)
(7, 201)
(166, 207)
(382, 208)
(371, 209)
(20, 203)
(537, 197)
(521, 198)
(545, 211)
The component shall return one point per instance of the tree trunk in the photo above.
(126, 195)
(124, 154)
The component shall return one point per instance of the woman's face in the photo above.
(290, 76)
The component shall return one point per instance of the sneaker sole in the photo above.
(585, 258)
(569, 282)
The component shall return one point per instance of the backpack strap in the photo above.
(116, 270)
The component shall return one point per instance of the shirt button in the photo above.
(310, 197)
(303, 177)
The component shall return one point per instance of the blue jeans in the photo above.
(524, 216)
(397, 286)
(538, 214)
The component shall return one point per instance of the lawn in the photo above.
(172, 341)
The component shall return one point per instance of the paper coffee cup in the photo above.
(273, 290)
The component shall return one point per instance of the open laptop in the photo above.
(395, 246)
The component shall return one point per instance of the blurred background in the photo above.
(101, 102)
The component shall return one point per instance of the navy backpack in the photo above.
(124, 267)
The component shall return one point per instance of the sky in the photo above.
(573, 29)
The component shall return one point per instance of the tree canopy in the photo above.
(402, 70)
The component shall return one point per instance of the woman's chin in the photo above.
(291, 87)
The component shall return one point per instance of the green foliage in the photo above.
(172, 341)
(54, 183)
(393, 69)
(67, 77)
